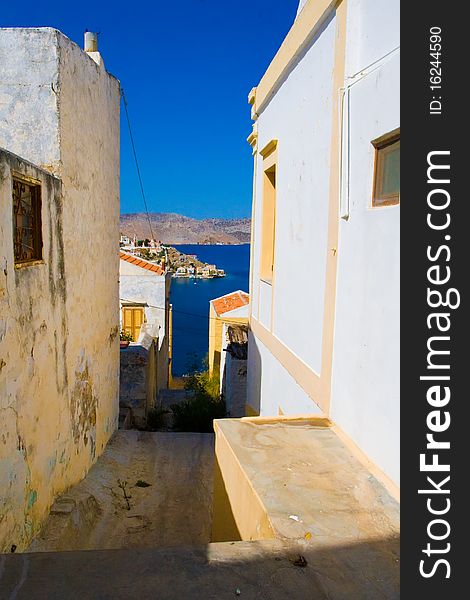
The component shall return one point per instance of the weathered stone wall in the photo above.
(29, 88)
(138, 380)
(35, 427)
(89, 140)
(59, 320)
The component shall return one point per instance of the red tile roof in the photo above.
(230, 302)
(140, 262)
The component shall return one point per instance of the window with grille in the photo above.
(27, 234)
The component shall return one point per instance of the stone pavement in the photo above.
(264, 570)
(167, 479)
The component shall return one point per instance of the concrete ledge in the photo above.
(295, 479)
(238, 512)
(312, 420)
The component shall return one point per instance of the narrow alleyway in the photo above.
(147, 490)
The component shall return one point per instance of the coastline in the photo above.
(190, 299)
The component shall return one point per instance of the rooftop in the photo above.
(140, 262)
(230, 302)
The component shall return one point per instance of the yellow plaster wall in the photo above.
(215, 337)
(59, 319)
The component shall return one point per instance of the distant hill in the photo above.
(171, 228)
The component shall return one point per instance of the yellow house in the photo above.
(231, 308)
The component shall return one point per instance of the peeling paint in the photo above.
(59, 365)
(113, 334)
(83, 407)
(33, 496)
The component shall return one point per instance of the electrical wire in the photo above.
(124, 99)
(149, 221)
(181, 312)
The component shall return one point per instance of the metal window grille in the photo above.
(27, 235)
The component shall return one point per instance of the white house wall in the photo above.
(142, 286)
(237, 313)
(364, 395)
(271, 390)
(373, 30)
(365, 382)
(89, 106)
(299, 117)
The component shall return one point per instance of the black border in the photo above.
(421, 133)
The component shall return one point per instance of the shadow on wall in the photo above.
(253, 376)
(216, 367)
(269, 569)
(224, 527)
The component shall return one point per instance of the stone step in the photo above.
(267, 570)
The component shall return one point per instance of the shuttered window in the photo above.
(132, 320)
(268, 217)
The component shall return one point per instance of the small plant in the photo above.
(198, 413)
(141, 483)
(203, 405)
(127, 497)
(125, 336)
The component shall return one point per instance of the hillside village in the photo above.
(170, 259)
(273, 473)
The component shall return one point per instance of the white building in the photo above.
(233, 368)
(325, 243)
(232, 308)
(144, 289)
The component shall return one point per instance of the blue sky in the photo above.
(186, 68)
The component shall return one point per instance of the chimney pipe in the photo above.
(91, 42)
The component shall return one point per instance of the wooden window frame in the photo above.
(36, 188)
(269, 154)
(383, 145)
(133, 308)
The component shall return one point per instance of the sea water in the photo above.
(190, 299)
